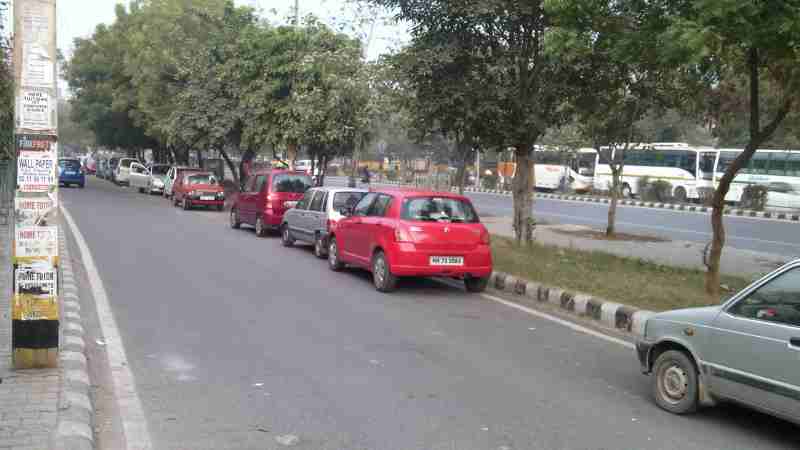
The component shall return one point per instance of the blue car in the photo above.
(70, 172)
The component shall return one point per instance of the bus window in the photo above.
(689, 162)
(758, 163)
(586, 163)
(725, 160)
(777, 163)
(793, 165)
(707, 164)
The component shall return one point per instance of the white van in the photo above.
(123, 174)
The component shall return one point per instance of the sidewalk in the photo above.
(738, 262)
(28, 398)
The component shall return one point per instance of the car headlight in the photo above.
(220, 195)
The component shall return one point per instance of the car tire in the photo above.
(476, 285)
(319, 247)
(236, 223)
(141, 190)
(186, 204)
(333, 256)
(286, 236)
(626, 191)
(81, 185)
(680, 195)
(382, 275)
(675, 382)
(261, 231)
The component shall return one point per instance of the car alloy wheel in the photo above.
(259, 227)
(675, 382)
(319, 248)
(333, 256)
(235, 222)
(381, 274)
(286, 236)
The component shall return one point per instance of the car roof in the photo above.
(277, 171)
(404, 192)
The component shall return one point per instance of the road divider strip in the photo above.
(74, 430)
(772, 215)
(134, 423)
(608, 314)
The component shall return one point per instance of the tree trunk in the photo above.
(231, 166)
(615, 194)
(323, 170)
(200, 161)
(522, 190)
(461, 175)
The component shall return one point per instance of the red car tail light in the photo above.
(270, 198)
(486, 238)
(402, 235)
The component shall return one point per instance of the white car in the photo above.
(123, 171)
(149, 180)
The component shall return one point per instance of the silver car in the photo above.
(747, 350)
(314, 215)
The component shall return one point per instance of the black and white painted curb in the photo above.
(609, 314)
(775, 215)
(75, 411)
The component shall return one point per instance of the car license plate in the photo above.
(69, 172)
(289, 205)
(447, 260)
(207, 197)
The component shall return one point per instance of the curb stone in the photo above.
(74, 430)
(610, 314)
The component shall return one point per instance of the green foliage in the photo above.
(654, 190)
(6, 92)
(754, 196)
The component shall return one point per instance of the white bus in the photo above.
(688, 169)
(561, 169)
(779, 170)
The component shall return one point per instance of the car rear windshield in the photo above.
(291, 182)
(69, 164)
(160, 170)
(201, 178)
(436, 209)
(346, 199)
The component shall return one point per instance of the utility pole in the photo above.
(34, 303)
(297, 13)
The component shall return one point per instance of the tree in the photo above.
(71, 132)
(6, 92)
(760, 41)
(527, 83)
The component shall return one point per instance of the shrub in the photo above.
(489, 181)
(391, 175)
(754, 197)
(655, 190)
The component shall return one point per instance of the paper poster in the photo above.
(36, 171)
(36, 142)
(36, 109)
(36, 242)
(37, 66)
(35, 292)
(38, 211)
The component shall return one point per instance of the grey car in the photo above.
(746, 350)
(319, 209)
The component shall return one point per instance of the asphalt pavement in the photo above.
(235, 342)
(766, 236)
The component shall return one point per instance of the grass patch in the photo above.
(634, 282)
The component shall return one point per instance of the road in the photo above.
(235, 342)
(768, 236)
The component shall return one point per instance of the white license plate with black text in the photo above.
(207, 197)
(447, 260)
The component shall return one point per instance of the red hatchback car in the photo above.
(266, 197)
(400, 233)
(198, 189)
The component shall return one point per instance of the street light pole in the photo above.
(297, 13)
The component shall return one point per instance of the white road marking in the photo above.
(566, 323)
(134, 423)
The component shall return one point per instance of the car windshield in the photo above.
(201, 178)
(159, 170)
(439, 209)
(291, 182)
(69, 164)
(346, 199)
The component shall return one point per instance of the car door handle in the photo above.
(794, 343)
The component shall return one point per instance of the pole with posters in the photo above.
(34, 302)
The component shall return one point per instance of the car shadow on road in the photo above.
(760, 426)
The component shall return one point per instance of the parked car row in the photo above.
(392, 233)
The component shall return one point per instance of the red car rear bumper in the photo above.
(407, 261)
(206, 202)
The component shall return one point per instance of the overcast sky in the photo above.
(78, 18)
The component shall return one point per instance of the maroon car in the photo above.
(267, 195)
